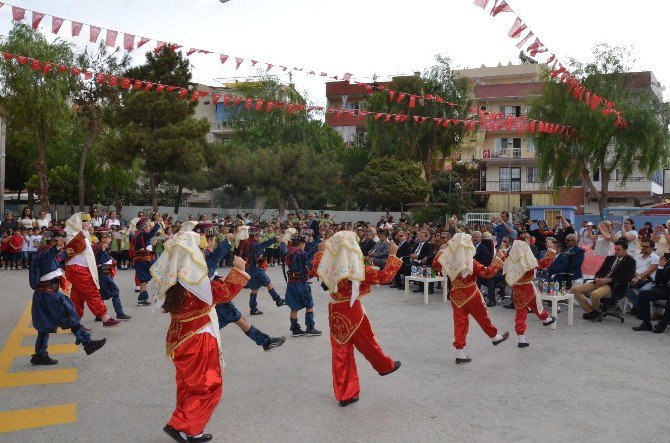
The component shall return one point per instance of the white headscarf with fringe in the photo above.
(519, 261)
(73, 226)
(342, 259)
(457, 258)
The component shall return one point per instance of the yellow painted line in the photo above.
(14, 349)
(37, 417)
(66, 348)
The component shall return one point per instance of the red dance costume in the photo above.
(523, 294)
(195, 354)
(466, 299)
(350, 328)
(84, 289)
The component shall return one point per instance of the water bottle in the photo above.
(429, 272)
(545, 287)
(413, 271)
(557, 288)
(562, 288)
(423, 271)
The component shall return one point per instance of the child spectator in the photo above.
(25, 246)
(15, 245)
(35, 243)
(124, 256)
(115, 245)
(4, 249)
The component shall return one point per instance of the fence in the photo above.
(476, 218)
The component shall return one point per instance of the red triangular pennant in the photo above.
(223, 58)
(238, 62)
(37, 18)
(18, 13)
(76, 28)
(93, 34)
(110, 40)
(498, 8)
(142, 41)
(516, 28)
(56, 23)
(128, 42)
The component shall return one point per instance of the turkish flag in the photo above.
(128, 42)
(183, 93)
(526, 38)
(18, 13)
(387, 118)
(159, 46)
(423, 119)
(517, 28)
(289, 108)
(223, 58)
(191, 52)
(238, 62)
(270, 65)
(195, 96)
(253, 62)
(76, 28)
(142, 41)
(170, 88)
(37, 18)
(47, 67)
(88, 75)
(236, 100)
(125, 83)
(110, 40)
(160, 87)
(113, 80)
(100, 78)
(346, 76)
(148, 86)
(62, 68)
(36, 65)
(498, 8)
(269, 106)
(137, 84)
(56, 23)
(401, 97)
(215, 98)
(391, 95)
(73, 70)
(259, 105)
(94, 33)
(412, 101)
(247, 104)
(481, 3)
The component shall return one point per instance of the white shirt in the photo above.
(26, 222)
(43, 223)
(418, 249)
(35, 241)
(96, 222)
(115, 222)
(25, 246)
(642, 264)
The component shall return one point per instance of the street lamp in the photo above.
(510, 144)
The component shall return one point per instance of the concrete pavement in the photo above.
(595, 382)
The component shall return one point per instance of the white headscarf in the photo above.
(288, 234)
(519, 261)
(342, 259)
(188, 226)
(73, 226)
(457, 258)
(241, 234)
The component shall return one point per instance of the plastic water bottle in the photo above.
(545, 287)
(413, 271)
(429, 272)
(557, 288)
(563, 288)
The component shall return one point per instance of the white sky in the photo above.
(365, 37)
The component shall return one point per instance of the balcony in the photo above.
(641, 185)
(504, 155)
(516, 186)
(220, 127)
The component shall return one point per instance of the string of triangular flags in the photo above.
(535, 47)
(487, 121)
(132, 42)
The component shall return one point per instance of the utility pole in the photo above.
(3, 133)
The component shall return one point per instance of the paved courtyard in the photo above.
(587, 382)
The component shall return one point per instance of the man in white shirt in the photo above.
(646, 264)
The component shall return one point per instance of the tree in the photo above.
(599, 145)
(389, 183)
(158, 127)
(410, 140)
(90, 100)
(456, 189)
(38, 105)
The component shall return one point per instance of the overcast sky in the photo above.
(366, 37)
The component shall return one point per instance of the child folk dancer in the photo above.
(143, 256)
(457, 262)
(106, 272)
(340, 266)
(51, 309)
(519, 272)
(228, 313)
(193, 339)
(81, 270)
(251, 250)
(298, 290)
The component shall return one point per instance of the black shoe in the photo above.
(280, 302)
(463, 360)
(431, 291)
(660, 328)
(400, 288)
(313, 332)
(524, 345)
(298, 332)
(176, 435)
(595, 316)
(43, 360)
(256, 312)
(98, 319)
(94, 345)
(275, 342)
(509, 306)
(123, 317)
(553, 320)
(505, 336)
(393, 285)
(144, 303)
(344, 403)
(202, 438)
(137, 290)
(490, 303)
(633, 311)
(644, 326)
(396, 365)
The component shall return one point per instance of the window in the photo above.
(618, 175)
(532, 174)
(504, 184)
(596, 175)
(511, 111)
(550, 216)
(500, 146)
(354, 106)
(530, 145)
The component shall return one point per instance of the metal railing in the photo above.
(515, 186)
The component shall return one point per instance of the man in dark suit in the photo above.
(422, 251)
(617, 268)
(660, 291)
(562, 261)
(404, 250)
(368, 242)
(484, 255)
(313, 224)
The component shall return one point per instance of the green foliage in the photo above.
(409, 140)
(456, 189)
(388, 183)
(599, 145)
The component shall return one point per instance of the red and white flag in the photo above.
(270, 65)
(142, 41)
(56, 23)
(128, 42)
(37, 18)
(500, 7)
(223, 58)
(517, 28)
(76, 28)
(110, 40)
(191, 52)
(238, 62)
(18, 14)
(94, 33)
(159, 46)
(481, 3)
(525, 39)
